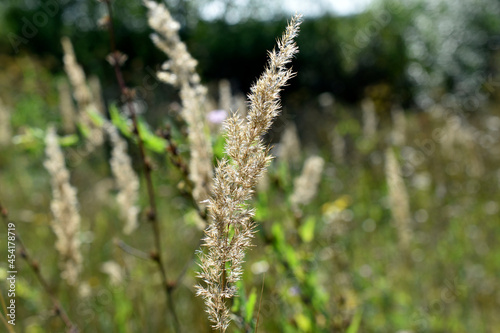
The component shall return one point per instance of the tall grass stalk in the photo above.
(398, 133)
(225, 96)
(126, 179)
(231, 226)
(306, 185)
(180, 72)
(82, 94)
(66, 107)
(116, 60)
(370, 120)
(289, 147)
(5, 130)
(64, 206)
(398, 199)
(35, 267)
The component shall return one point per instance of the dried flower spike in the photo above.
(5, 129)
(398, 199)
(64, 206)
(126, 179)
(83, 96)
(180, 71)
(306, 185)
(231, 226)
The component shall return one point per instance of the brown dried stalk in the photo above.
(116, 59)
(231, 227)
(35, 267)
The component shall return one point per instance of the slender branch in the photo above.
(127, 94)
(132, 250)
(260, 302)
(175, 156)
(186, 266)
(7, 325)
(4, 319)
(179, 163)
(4, 307)
(35, 267)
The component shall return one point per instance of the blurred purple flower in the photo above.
(294, 291)
(217, 116)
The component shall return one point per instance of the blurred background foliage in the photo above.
(420, 49)
(342, 266)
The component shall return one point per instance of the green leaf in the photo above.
(31, 139)
(96, 117)
(193, 219)
(239, 302)
(356, 321)
(84, 129)
(123, 310)
(119, 121)
(261, 209)
(34, 328)
(303, 322)
(218, 146)
(291, 256)
(250, 306)
(68, 140)
(151, 141)
(279, 235)
(284, 175)
(306, 230)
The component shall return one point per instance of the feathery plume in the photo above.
(289, 147)
(180, 71)
(76, 75)
(225, 96)
(82, 94)
(96, 91)
(369, 119)
(114, 271)
(306, 185)
(125, 177)
(5, 130)
(458, 136)
(398, 133)
(66, 107)
(64, 206)
(231, 226)
(398, 198)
